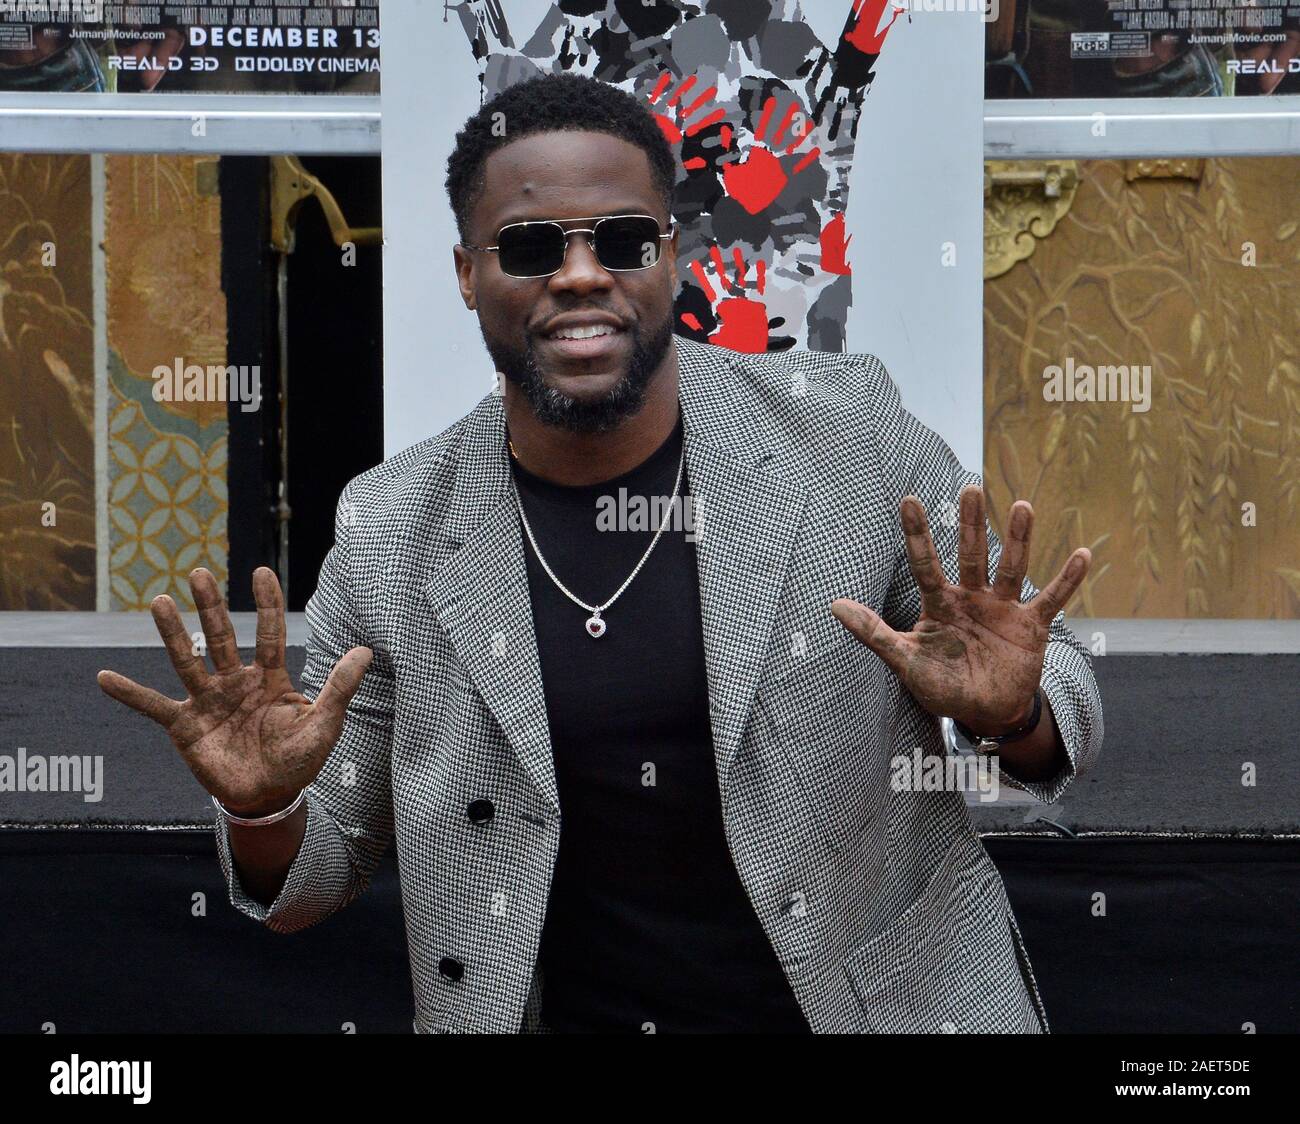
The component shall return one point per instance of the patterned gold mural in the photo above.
(166, 478)
(1188, 498)
(1188, 501)
(47, 398)
(167, 504)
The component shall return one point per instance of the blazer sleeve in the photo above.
(914, 460)
(349, 805)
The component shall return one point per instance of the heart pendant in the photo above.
(595, 627)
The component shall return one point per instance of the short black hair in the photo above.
(553, 103)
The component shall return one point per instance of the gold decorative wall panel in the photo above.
(1189, 502)
(166, 484)
(47, 385)
(167, 460)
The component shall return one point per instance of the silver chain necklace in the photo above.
(596, 625)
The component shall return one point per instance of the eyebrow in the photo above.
(619, 213)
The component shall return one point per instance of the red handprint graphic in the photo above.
(691, 119)
(742, 322)
(764, 144)
(863, 29)
(845, 75)
(757, 180)
(835, 247)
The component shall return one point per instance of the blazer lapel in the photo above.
(479, 594)
(747, 515)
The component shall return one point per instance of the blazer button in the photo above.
(451, 969)
(480, 811)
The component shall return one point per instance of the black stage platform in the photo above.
(1201, 875)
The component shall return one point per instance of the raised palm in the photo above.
(976, 651)
(249, 737)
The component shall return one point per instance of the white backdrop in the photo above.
(919, 187)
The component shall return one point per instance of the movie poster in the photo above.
(200, 47)
(1142, 48)
(823, 180)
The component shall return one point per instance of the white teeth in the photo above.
(587, 333)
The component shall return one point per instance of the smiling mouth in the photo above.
(586, 332)
(583, 342)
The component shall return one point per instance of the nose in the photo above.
(581, 273)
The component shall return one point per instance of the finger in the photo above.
(270, 618)
(973, 544)
(921, 555)
(180, 647)
(217, 629)
(332, 703)
(867, 626)
(142, 699)
(1057, 593)
(1015, 552)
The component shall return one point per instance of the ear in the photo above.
(464, 260)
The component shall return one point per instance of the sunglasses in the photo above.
(621, 243)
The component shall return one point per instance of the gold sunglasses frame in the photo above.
(590, 231)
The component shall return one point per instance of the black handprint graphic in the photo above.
(762, 115)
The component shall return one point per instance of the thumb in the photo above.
(868, 627)
(332, 703)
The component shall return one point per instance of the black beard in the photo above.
(551, 407)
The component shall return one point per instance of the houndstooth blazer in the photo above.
(882, 906)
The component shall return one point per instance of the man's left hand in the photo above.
(976, 652)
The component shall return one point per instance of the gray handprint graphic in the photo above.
(764, 119)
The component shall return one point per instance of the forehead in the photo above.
(565, 174)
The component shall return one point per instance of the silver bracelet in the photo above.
(260, 821)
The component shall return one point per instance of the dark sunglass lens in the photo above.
(627, 243)
(533, 250)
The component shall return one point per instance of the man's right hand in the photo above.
(251, 740)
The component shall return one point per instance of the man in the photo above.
(637, 774)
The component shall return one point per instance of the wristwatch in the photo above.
(986, 744)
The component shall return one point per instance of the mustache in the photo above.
(629, 323)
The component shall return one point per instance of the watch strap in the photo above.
(983, 742)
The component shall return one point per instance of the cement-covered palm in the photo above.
(976, 652)
(248, 736)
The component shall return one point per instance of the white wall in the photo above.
(925, 320)
(918, 187)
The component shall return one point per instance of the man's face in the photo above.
(584, 385)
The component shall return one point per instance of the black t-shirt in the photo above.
(648, 921)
